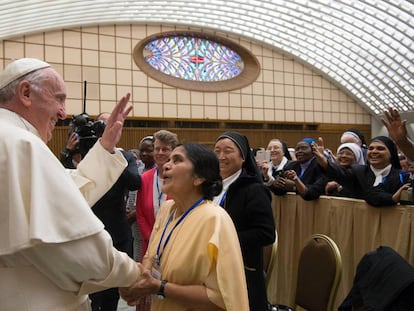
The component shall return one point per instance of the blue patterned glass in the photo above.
(192, 58)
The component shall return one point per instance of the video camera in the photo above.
(88, 130)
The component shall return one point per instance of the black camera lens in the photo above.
(98, 127)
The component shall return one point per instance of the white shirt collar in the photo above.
(380, 173)
(226, 184)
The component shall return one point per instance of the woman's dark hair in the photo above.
(206, 165)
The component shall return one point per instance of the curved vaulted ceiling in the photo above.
(366, 47)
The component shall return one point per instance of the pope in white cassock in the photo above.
(53, 250)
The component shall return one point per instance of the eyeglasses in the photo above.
(162, 149)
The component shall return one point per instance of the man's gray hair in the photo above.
(36, 79)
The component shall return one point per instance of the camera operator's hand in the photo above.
(113, 128)
(72, 142)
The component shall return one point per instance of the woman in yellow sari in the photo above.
(194, 260)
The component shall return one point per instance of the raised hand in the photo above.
(113, 128)
(395, 125)
(264, 167)
(72, 141)
(318, 152)
(397, 130)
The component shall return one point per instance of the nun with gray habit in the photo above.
(248, 203)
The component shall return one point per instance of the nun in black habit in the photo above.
(379, 182)
(248, 203)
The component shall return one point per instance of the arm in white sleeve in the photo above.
(84, 266)
(97, 172)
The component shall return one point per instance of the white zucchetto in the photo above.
(20, 68)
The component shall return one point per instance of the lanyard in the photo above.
(223, 198)
(180, 220)
(402, 177)
(159, 192)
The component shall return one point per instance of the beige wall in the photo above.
(286, 90)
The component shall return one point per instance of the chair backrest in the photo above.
(319, 273)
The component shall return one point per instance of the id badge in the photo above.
(156, 274)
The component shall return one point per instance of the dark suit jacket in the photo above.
(110, 209)
(248, 203)
(313, 173)
(318, 188)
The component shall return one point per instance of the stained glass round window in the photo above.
(196, 61)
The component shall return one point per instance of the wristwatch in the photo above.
(161, 294)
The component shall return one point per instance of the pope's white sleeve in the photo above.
(97, 172)
(84, 266)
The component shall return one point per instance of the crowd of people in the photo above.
(168, 226)
(370, 172)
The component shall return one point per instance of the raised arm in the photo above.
(398, 132)
(113, 128)
(318, 152)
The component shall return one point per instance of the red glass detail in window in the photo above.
(197, 59)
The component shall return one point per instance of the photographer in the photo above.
(82, 136)
(279, 158)
(110, 209)
(69, 156)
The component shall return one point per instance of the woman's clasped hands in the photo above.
(146, 285)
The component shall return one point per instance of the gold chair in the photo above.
(318, 276)
(319, 273)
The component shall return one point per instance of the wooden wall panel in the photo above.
(257, 137)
